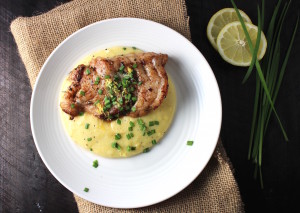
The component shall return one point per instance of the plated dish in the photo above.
(143, 179)
(118, 102)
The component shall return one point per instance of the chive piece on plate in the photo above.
(151, 132)
(119, 121)
(117, 136)
(146, 150)
(190, 143)
(95, 163)
(82, 93)
(116, 145)
(131, 124)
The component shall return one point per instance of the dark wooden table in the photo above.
(26, 185)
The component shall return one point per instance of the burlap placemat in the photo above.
(215, 190)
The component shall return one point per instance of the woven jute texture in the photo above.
(215, 190)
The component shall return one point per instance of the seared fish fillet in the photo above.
(132, 85)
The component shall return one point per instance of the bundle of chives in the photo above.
(268, 79)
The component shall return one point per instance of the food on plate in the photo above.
(132, 84)
(91, 107)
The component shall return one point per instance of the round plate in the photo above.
(147, 178)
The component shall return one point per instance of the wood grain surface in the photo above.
(26, 185)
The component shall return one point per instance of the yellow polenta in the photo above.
(100, 135)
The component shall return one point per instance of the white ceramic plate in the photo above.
(147, 178)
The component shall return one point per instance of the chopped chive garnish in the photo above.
(72, 106)
(116, 145)
(190, 143)
(152, 123)
(107, 76)
(133, 99)
(95, 163)
(133, 109)
(87, 125)
(86, 189)
(151, 132)
(131, 123)
(122, 67)
(88, 71)
(128, 136)
(130, 148)
(134, 48)
(89, 139)
(140, 121)
(82, 93)
(142, 126)
(120, 100)
(116, 78)
(140, 83)
(126, 77)
(130, 128)
(124, 48)
(106, 101)
(119, 122)
(97, 102)
(97, 80)
(134, 66)
(91, 149)
(146, 150)
(100, 91)
(154, 142)
(117, 136)
(81, 113)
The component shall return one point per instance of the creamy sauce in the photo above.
(100, 134)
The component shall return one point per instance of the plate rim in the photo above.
(43, 69)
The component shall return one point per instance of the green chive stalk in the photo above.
(269, 76)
